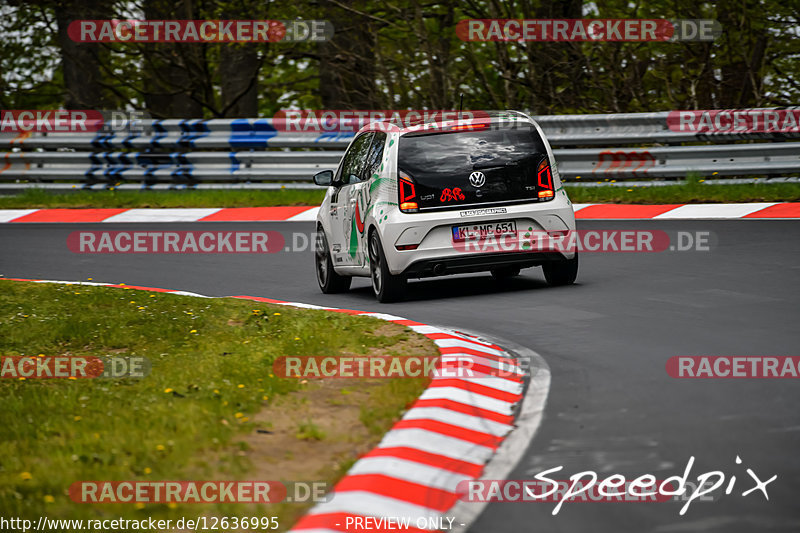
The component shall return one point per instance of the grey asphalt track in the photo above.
(612, 407)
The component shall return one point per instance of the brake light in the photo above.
(407, 193)
(545, 178)
(469, 127)
(403, 247)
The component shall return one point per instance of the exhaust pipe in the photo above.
(439, 269)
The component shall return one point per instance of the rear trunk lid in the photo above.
(489, 166)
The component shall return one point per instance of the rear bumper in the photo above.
(477, 263)
(432, 234)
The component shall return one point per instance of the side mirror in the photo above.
(324, 178)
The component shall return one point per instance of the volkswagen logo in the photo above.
(477, 179)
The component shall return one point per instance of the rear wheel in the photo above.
(561, 272)
(505, 272)
(329, 281)
(386, 286)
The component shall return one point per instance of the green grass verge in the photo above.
(211, 375)
(693, 191)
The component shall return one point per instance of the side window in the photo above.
(354, 159)
(375, 155)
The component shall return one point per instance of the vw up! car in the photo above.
(405, 202)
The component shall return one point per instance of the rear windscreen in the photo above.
(443, 166)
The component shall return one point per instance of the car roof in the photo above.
(441, 120)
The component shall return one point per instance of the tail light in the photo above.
(545, 178)
(407, 193)
(472, 127)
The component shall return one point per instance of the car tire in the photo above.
(329, 281)
(561, 272)
(386, 286)
(506, 272)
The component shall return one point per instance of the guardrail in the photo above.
(230, 150)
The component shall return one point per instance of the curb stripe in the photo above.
(412, 471)
(470, 345)
(464, 408)
(257, 214)
(786, 210)
(469, 398)
(762, 210)
(457, 432)
(161, 214)
(510, 370)
(367, 503)
(430, 441)
(444, 335)
(470, 351)
(10, 215)
(475, 388)
(512, 387)
(383, 485)
(466, 421)
(484, 371)
(433, 459)
(69, 215)
(703, 211)
(622, 211)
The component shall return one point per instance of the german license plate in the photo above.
(484, 230)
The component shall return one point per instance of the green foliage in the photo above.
(415, 59)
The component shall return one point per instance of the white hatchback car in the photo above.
(406, 202)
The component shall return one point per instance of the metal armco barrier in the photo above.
(228, 150)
